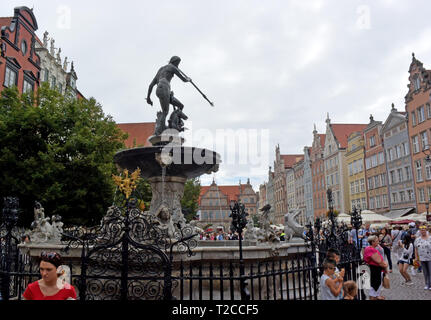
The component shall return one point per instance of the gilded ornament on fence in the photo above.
(127, 184)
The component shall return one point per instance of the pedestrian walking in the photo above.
(404, 260)
(423, 254)
(386, 243)
(377, 265)
(397, 234)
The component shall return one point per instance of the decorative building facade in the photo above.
(280, 194)
(55, 71)
(356, 171)
(215, 201)
(19, 63)
(418, 107)
(318, 174)
(395, 135)
(308, 186)
(375, 166)
(335, 162)
(270, 196)
(298, 169)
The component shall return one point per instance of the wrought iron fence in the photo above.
(128, 257)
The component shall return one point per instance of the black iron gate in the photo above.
(129, 256)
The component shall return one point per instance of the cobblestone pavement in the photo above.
(398, 291)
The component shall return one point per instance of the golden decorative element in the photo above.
(127, 184)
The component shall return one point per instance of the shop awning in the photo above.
(395, 214)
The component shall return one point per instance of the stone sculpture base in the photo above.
(166, 201)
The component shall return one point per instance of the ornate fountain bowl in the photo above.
(179, 161)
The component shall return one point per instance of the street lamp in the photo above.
(239, 222)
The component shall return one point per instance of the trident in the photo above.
(205, 97)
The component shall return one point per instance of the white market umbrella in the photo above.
(421, 217)
(344, 217)
(372, 217)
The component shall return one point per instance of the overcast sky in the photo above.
(275, 68)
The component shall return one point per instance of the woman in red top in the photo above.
(47, 287)
(377, 265)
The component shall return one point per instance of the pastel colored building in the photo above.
(418, 108)
(375, 166)
(399, 163)
(335, 162)
(355, 155)
(215, 201)
(318, 174)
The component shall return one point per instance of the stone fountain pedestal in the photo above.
(167, 165)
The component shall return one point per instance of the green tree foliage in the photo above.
(57, 150)
(189, 203)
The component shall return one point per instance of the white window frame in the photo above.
(10, 81)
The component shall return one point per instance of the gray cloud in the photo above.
(277, 65)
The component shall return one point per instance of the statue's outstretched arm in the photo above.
(180, 75)
(150, 90)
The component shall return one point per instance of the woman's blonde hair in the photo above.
(371, 239)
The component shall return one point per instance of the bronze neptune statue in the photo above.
(166, 96)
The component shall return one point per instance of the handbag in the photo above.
(386, 283)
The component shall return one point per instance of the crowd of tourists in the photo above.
(219, 236)
(410, 245)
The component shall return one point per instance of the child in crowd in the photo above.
(330, 286)
(350, 289)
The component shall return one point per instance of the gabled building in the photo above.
(308, 186)
(335, 161)
(19, 63)
(418, 108)
(215, 201)
(399, 163)
(375, 167)
(318, 174)
(54, 71)
(298, 170)
(280, 195)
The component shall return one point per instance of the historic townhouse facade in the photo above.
(215, 201)
(375, 166)
(308, 186)
(55, 71)
(335, 162)
(356, 171)
(270, 196)
(396, 139)
(290, 188)
(262, 196)
(298, 169)
(418, 108)
(318, 174)
(19, 63)
(280, 194)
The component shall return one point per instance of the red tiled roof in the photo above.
(342, 132)
(291, 159)
(232, 192)
(138, 133)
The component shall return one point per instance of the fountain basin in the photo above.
(179, 161)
